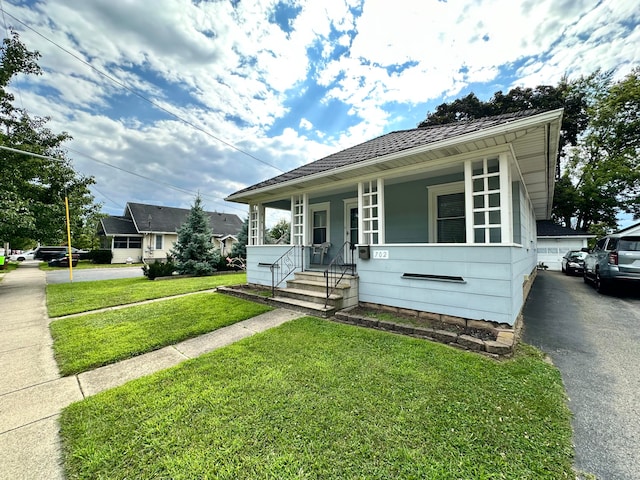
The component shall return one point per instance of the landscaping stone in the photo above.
(497, 347)
(444, 336)
(454, 320)
(471, 343)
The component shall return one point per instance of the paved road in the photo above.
(86, 275)
(594, 340)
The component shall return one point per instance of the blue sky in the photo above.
(212, 96)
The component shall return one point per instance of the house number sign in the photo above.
(381, 254)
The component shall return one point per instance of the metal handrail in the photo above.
(337, 269)
(285, 265)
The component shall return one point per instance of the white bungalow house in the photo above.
(443, 218)
(149, 232)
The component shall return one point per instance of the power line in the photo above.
(166, 184)
(142, 97)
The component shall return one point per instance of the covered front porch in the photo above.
(440, 219)
(457, 240)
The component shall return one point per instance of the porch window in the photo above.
(119, 242)
(451, 227)
(447, 213)
(135, 242)
(127, 242)
(320, 226)
(319, 223)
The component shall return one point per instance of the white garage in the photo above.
(555, 240)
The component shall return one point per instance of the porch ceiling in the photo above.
(533, 140)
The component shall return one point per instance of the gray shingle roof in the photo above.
(547, 228)
(390, 143)
(140, 217)
(111, 226)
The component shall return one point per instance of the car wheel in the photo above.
(601, 285)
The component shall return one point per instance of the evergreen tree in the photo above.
(240, 248)
(194, 253)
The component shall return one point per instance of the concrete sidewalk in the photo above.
(32, 392)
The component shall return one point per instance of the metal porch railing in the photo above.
(284, 266)
(338, 268)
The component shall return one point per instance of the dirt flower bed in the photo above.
(415, 321)
(495, 340)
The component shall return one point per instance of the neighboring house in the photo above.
(149, 232)
(555, 240)
(444, 217)
(631, 230)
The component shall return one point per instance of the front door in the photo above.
(350, 226)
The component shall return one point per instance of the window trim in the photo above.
(434, 192)
(160, 237)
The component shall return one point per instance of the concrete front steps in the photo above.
(308, 290)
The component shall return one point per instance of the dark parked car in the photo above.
(47, 253)
(63, 260)
(573, 262)
(615, 259)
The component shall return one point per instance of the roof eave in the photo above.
(519, 124)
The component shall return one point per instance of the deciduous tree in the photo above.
(32, 189)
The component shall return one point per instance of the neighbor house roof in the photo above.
(547, 228)
(420, 145)
(632, 229)
(115, 226)
(143, 218)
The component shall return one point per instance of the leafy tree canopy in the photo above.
(597, 171)
(32, 189)
(280, 232)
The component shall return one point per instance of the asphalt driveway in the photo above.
(594, 341)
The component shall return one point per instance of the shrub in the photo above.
(158, 269)
(100, 256)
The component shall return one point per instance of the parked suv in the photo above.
(615, 258)
(49, 253)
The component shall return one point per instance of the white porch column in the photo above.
(371, 212)
(256, 224)
(488, 200)
(299, 211)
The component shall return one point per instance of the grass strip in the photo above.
(320, 400)
(89, 341)
(68, 298)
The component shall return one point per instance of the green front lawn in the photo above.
(89, 341)
(68, 298)
(321, 400)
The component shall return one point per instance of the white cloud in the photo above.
(229, 71)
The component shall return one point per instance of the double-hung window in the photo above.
(447, 213)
